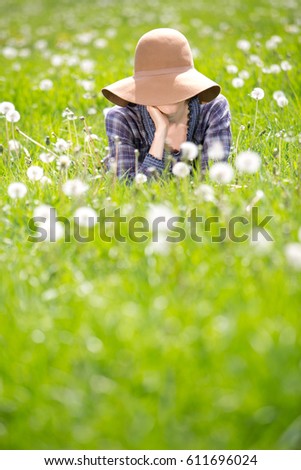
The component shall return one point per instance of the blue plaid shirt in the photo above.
(135, 129)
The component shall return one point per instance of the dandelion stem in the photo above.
(70, 134)
(237, 141)
(7, 138)
(76, 135)
(116, 161)
(255, 119)
(35, 142)
(279, 155)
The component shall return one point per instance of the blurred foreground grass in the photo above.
(108, 346)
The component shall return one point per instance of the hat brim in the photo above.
(162, 89)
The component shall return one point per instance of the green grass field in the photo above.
(115, 345)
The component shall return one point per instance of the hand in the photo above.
(160, 120)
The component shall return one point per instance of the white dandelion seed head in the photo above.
(35, 172)
(160, 246)
(158, 215)
(255, 59)
(276, 38)
(189, 150)
(88, 85)
(87, 65)
(282, 101)
(259, 242)
(91, 111)
(9, 52)
(231, 68)
(46, 84)
(41, 44)
(57, 60)
(100, 43)
(85, 217)
(248, 162)
(61, 145)
(44, 210)
(271, 44)
(13, 116)
(17, 190)
(63, 162)
(243, 45)
(181, 169)
(292, 29)
(75, 188)
(91, 137)
(14, 145)
(238, 82)
(286, 66)
(45, 180)
(140, 178)
(221, 172)
(6, 106)
(259, 194)
(277, 94)
(257, 94)
(244, 74)
(216, 151)
(54, 231)
(275, 68)
(205, 192)
(292, 253)
(46, 157)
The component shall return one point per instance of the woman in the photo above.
(165, 103)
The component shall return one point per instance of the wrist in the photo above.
(161, 132)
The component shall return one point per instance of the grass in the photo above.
(104, 345)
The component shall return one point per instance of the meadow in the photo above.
(145, 345)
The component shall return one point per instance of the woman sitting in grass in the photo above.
(166, 103)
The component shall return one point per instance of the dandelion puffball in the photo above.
(61, 145)
(140, 178)
(285, 65)
(46, 157)
(216, 151)
(221, 172)
(16, 190)
(243, 45)
(63, 162)
(35, 173)
(6, 106)
(257, 94)
(292, 253)
(282, 101)
(238, 82)
(205, 192)
(85, 217)
(75, 188)
(277, 94)
(189, 150)
(181, 169)
(45, 180)
(45, 84)
(248, 162)
(12, 116)
(44, 210)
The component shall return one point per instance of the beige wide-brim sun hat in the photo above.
(164, 73)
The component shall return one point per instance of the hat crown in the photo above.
(162, 49)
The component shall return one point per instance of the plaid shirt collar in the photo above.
(194, 117)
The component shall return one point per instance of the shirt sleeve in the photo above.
(122, 148)
(218, 129)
